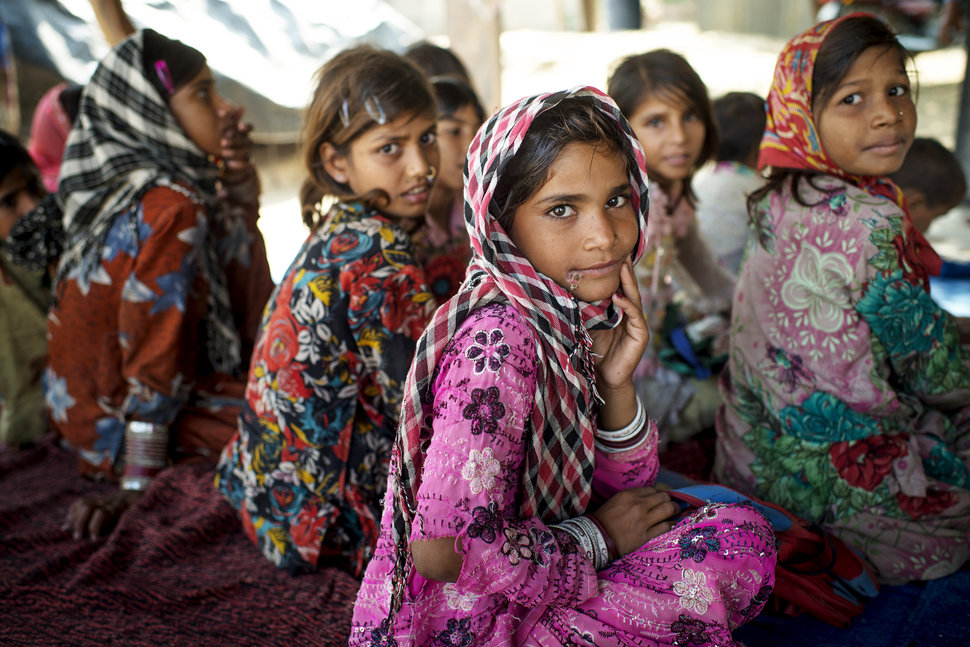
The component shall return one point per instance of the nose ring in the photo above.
(900, 113)
(432, 174)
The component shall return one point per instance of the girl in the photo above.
(846, 395)
(444, 251)
(520, 508)
(163, 271)
(668, 107)
(307, 467)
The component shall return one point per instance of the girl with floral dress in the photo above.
(520, 507)
(308, 465)
(161, 271)
(847, 394)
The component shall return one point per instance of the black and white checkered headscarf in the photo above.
(126, 141)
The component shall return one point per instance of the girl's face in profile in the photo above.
(395, 158)
(455, 134)
(580, 227)
(202, 112)
(866, 127)
(671, 134)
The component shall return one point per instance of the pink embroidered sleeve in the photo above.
(483, 394)
(636, 467)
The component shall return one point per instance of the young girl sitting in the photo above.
(846, 395)
(444, 250)
(520, 508)
(308, 466)
(162, 275)
(668, 107)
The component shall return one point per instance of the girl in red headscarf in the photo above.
(846, 395)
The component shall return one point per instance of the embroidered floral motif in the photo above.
(480, 470)
(693, 591)
(485, 523)
(381, 636)
(690, 631)
(458, 634)
(817, 285)
(517, 546)
(457, 600)
(696, 543)
(484, 411)
(488, 351)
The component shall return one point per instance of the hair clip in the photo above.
(374, 109)
(345, 115)
(161, 69)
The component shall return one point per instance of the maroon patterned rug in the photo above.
(176, 571)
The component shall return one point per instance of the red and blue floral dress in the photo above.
(307, 468)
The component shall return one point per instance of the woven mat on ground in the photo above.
(176, 571)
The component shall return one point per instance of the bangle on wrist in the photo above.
(146, 454)
(612, 552)
(588, 537)
(621, 440)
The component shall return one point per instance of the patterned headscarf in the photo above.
(126, 141)
(556, 481)
(791, 138)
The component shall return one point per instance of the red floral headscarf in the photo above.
(791, 139)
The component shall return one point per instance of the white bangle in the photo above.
(629, 437)
(589, 538)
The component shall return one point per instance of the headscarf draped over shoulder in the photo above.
(791, 137)
(557, 477)
(125, 142)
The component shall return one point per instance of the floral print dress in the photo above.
(308, 466)
(127, 335)
(847, 393)
(526, 582)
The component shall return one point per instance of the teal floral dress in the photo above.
(847, 394)
(307, 468)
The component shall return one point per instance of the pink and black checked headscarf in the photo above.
(791, 138)
(556, 481)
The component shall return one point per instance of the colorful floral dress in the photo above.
(127, 333)
(444, 253)
(847, 393)
(308, 465)
(525, 582)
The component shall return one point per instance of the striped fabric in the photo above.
(556, 483)
(126, 141)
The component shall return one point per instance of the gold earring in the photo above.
(432, 174)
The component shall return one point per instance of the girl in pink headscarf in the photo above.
(520, 506)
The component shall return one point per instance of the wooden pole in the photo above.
(474, 27)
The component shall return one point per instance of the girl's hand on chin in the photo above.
(618, 350)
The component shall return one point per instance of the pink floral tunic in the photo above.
(847, 394)
(525, 582)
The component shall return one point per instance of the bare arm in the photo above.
(114, 22)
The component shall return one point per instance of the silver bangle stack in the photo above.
(146, 454)
(621, 440)
(590, 539)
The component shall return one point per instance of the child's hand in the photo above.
(635, 516)
(620, 348)
(93, 517)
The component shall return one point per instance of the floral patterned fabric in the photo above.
(127, 333)
(847, 393)
(308, 465)
(444, 253)
(526, 582)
